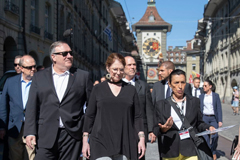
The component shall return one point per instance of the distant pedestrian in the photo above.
(103, 78)
(211, 109)
(96, 82)
(235, 102)
(196, 90)
(13, 106)
(16, 64)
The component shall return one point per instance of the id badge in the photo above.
(184, 134)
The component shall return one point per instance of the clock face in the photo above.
(151, 47)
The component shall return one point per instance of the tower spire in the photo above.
(151, 2)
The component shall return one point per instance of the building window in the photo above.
(171, 54)
(194, 67)
(193, 57)
(182, 54)
(151, 18)
(177, 54)
(171, 59)
(177, 59)
(33, 12)
(47, 17)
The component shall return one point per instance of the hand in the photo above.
(237, 152)
(31, 141)
(2, 133)
(86, 150)
(167, 125)
(219, 124)
(152, 137)
(141, 147)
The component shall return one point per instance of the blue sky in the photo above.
(182, 14)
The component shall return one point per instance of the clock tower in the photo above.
(151, 31)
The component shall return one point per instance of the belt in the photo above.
(212, 115)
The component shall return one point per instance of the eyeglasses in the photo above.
(115, 70)
(64, 54)
(15, 64)
(29, 67)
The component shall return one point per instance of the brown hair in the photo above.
(168, 65)
(114, 56)
(196, 78)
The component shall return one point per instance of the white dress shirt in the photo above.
(132, 82)
(208, 104)
(198, 92)
(60, 82)
(176, 118)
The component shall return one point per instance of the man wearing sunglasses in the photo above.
(13, 106)
(56, 101)
(16, 64)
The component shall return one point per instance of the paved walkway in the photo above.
(225, 137)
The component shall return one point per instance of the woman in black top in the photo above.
(113, 117)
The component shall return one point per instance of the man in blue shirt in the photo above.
(13, 106)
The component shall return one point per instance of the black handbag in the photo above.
(201, 146)
(234, 145)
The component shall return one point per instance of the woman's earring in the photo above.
(108, 76)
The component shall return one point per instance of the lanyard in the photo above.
(181, 110)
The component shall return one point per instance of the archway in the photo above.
(47, 62)
(234, 83)
(10, 48)
(35, 56)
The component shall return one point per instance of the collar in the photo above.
(209, 94)
(22, 80)
(132, 80)
(55, 73)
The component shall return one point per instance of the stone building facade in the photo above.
(219, 32)
(29, 27)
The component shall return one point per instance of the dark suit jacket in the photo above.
(11, 106)
(217, 106)
(146, 105)
(43, 102)
(158, 92)
(170, 142)
(201, 90)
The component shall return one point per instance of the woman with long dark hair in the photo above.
(211, 109)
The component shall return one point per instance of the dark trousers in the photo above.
(65, 147)
(213, 122)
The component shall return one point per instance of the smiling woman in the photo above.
(113, 117)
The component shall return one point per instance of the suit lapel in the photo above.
(19, 90)
(168, 113)
(188, 106)
(213, 101)
(138, 86)
(70, 82)
(49, 77)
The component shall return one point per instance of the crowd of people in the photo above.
(42, 114)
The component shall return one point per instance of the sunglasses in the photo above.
(15, 64)
(64, 54)
(29, 67)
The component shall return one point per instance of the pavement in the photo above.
(224, 141)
